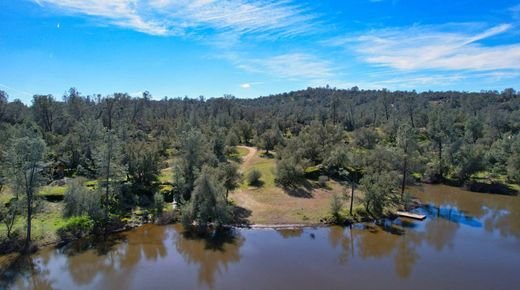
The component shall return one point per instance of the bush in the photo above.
(335, 208)
(76, 227)
(322, 181)
(81, 201)
(253, 178)
(288, 172)
(158, 203)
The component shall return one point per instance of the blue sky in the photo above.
(179, 48)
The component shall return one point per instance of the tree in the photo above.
(406, 146)
(513, 162)
(25, 165)
(269, 139)
(194, 154)
(45, 109)
(3, 104)
(379, 189)
(9, 214)
(81, 201)
(109, 167)
(228, 174)
(439, 130)
(289, 172)
(142, 160)
(208, 203)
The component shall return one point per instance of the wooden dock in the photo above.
(411, 215)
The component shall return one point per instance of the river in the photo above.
(468, 241)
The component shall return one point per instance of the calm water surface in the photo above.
(468, 241)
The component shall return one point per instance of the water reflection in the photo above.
(290, 232)
(212, 251)
(402, 253)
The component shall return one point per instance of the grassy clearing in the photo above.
(52, 193)
(242, 151)
(270, 204)
(45, 223)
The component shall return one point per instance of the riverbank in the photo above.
(269, 204)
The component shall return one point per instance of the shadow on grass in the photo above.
(267, 155)
(241, 215)
(303, 189)
(258, 183)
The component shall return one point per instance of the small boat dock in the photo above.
(410, 215)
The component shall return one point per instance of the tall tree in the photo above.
(407, 147)
(25, 164)
(109, 167)
(439, 130)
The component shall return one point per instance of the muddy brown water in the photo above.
(469, 241)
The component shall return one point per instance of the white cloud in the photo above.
(426, 47)
(295, 66)
(179, 17)
(245, 85)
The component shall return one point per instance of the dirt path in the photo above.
(246, 160)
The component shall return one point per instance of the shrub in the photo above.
(81, 201)
(76, 227)
(335, 208)
(253, 178)
(288, 172)
(158, 203)
(322, 181)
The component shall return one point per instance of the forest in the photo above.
(92, 164)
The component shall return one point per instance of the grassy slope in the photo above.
(270, 204)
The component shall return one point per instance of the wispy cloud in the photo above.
(180, 17)
(428, 47)
(20, 92)
(293, 66)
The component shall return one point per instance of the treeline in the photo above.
(377, 139)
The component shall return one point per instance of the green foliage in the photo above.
(143, 162)
(322, 181)
(76, 227)
(380, 191)
(208, 202)
(289, 172)
(229, 176)
(9, 213)
(52, 193)
(335, 208)
(513, 162)
(82, 201)
(253, 177)
(158, 203)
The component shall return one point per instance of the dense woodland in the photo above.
(111, 149)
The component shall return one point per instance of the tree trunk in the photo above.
(440, 161)
(29, 183)
(27, 246)
(403, 184)
(109, 157)
(352, 185)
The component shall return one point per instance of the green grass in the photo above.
(52, 192)
(45, 223)
(242, 151)
(267, 167)
(166, 175)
